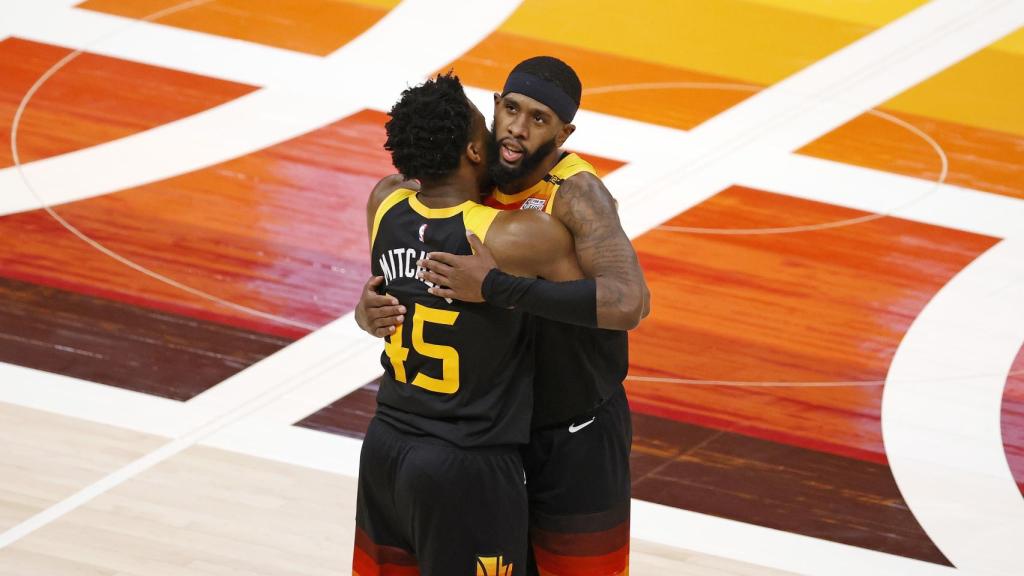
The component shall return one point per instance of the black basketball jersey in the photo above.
(454, 370)
(578, 369)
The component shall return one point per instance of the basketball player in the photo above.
(441, 485)
(577, 462)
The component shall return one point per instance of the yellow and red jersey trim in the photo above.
(541, 196)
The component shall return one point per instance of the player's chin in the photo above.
(509, 166)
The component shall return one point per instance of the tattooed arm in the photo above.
(605, 253)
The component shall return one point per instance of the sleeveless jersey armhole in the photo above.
(388, 203)
(570, 166)
(478, 220)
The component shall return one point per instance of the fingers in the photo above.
(378, 314)
(371, 299)
(442, 292)
(375, 314)
(436, 266)
(434, 278)
(373, 283)
(443, 257)
(474, 242)
(386, 325)
(374, 301)
(387, 322)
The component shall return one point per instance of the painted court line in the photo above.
(875, 191)
(762, 546)
(340, 344)
(284, 111)
(942, 434)
(140, 465)
(84, 400)
(798, 110)
(170, 47)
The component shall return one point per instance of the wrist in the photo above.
(491, 284)
(505, 290)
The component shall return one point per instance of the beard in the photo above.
(502, 175)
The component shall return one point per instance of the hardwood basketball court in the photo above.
(827, 199)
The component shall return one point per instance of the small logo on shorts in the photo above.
(423, 230)
(533, 204)
(492, 566)
(573, 428)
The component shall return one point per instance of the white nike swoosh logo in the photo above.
(574, 428)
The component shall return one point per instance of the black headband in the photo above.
(544, 92)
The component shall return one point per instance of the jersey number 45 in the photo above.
(449, 357)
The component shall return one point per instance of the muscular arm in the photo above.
(531, 243)
(604, 251)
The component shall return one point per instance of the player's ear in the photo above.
(497, 100)
(564, 133)
(474, 151)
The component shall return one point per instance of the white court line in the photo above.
(340, 344)
(254, 63)
(156, 44)
(791, 174)
(353, 354)
(177, 445)
(90, 401)
(793, 113)
(942, 436)
(649, 521)
(275, 376)
(292, 445)
(337, 89)
(871, 190)
(767, 547)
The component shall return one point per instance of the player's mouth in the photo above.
(510, 153)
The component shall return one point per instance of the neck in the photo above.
(533, 176)
(450, 191)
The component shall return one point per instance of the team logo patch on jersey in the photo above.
(533, 204)
(423, 230)
(492, 566)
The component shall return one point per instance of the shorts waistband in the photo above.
(587, 414)
(389, 430)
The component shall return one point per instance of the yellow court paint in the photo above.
(743, 40)
(984, 91)
(873, 13)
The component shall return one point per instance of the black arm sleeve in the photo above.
(573, 302)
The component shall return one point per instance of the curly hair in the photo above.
(429, 128)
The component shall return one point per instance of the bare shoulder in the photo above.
(382, 190)
(386, 186)
(583, 201)
(527, 227)
(584, 186)
(523, 240)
